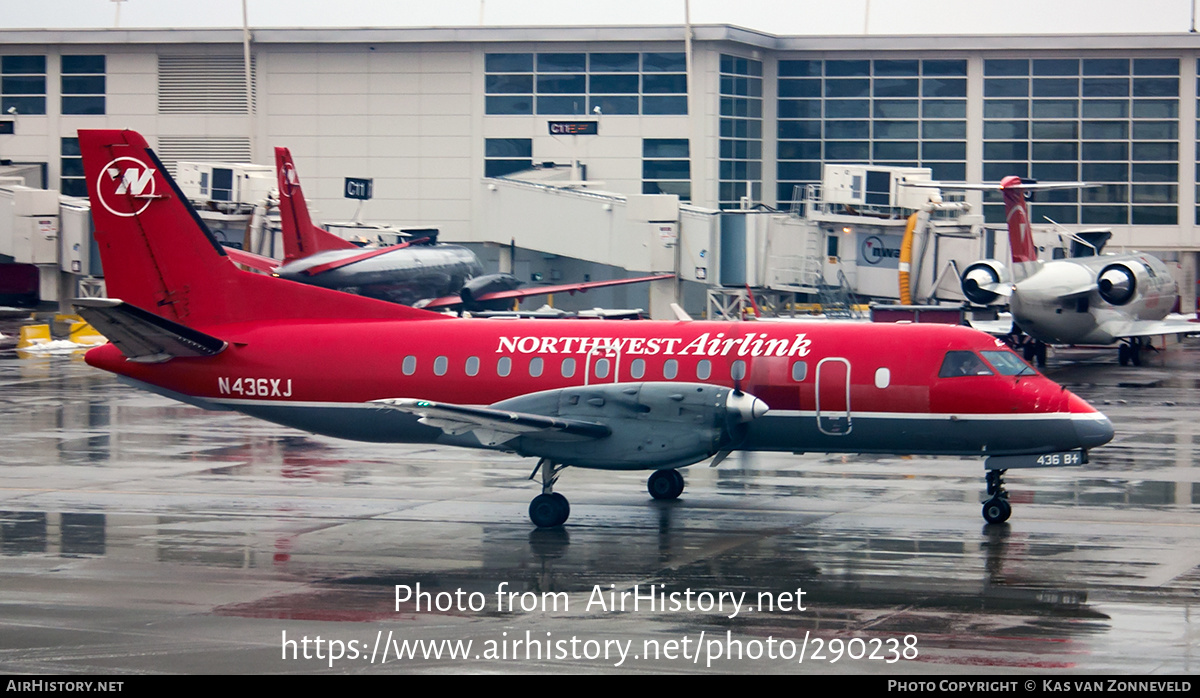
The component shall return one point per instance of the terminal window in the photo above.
(575, 84)
(1113, 121)
(83, 84)
(910, 113)
(504, 156)
(23, 84)
(72, 182)
(666, 168)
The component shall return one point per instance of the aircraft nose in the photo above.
(745, 406)
(1093, 430)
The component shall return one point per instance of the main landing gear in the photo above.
(996, 509)
(1034, 350)
(549, 508)
(1130, 350)
(665, 484)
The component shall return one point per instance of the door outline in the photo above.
(837, 419)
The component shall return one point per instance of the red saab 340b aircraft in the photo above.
(185, 322)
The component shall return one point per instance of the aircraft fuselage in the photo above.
(404, 275)
(839, 387)
(1062, 303)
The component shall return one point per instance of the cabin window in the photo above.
(738, 370)
(637, 369)
(704, 369)
(503, 366)
(409, 366)
(472, 365)
(963, 363)
(440, 364)
(568, 367)
(799, 371)
(670, 369)
(535, 366)
(602, 368)
(883, 378)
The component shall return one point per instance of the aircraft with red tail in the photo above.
(184, 321)
(1090, 298)
(421, 272)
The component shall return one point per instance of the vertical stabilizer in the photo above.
(1020, 233)
(159, 255)
(300, 237)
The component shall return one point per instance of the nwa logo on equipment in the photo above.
(875, 251)
(288, 179)
(124, 184)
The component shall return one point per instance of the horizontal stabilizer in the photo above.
(454, 301)
(254, 261)
(492, 426)
(142, 336)
(365, 254)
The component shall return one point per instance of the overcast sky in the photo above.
(782, 17)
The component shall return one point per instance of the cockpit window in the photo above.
(1008, 363)
(963, 363)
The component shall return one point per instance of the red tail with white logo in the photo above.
(1020, 234)
(300, 237)
(160, 256)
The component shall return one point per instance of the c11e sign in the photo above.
(358, 188)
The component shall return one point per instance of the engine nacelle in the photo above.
(487, 283)
(980, 281)
(654, 425)
(1118, 283)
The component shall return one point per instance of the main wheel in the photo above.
(665, 484)
(1123, 354)
(549, 510)
(996, 510)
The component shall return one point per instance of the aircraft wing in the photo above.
(492, 426)
(1172, 324)
(142, 336)
(454, 300)
(254, 261)
(1002, 325)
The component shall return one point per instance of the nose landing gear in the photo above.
(996, 509)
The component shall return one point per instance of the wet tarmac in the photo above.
(143, 536)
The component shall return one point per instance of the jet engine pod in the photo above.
(1117, 283)
(488, 283)
(984, 281)
(654, 425)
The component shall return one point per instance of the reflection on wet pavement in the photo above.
(138, 534)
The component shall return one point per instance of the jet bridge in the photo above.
(839, 240)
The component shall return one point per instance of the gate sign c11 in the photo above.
(574, 128)
(358, 188)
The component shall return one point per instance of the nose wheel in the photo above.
(548, 509)
(996, 509)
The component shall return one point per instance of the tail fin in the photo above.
(159, 255)
(1016, 212)
(300, 237)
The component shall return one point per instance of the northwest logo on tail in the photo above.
(133, 179)
(288, 179)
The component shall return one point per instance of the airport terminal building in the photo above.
(748, 119)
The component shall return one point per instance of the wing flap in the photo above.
(143, 336)
(492, 426)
